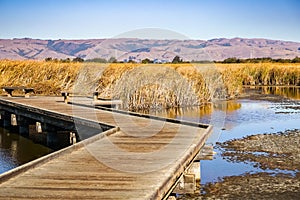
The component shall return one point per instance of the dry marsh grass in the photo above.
(47, 78)
(275, 74)
(146, 86)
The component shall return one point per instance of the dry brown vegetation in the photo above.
(143, 86)
(265, 73)
(47, 78)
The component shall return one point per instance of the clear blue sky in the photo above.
(196, 19)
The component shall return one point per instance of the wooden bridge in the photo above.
(139, 157)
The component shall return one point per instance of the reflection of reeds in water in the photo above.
(289, 92)
(196, 112)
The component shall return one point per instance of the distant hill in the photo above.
(137, 49)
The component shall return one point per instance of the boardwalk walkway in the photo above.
(139, 159)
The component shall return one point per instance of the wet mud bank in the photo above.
(254, 186)
(267, 151)
(278, 152)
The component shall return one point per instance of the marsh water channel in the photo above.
(259, 111)
(262, 115)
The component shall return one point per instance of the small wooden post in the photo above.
(27, 91)
(206, 153)
(188, 182)
(8, 91)
(195, 169)
(38, 127)
(66, 96)
(72, 138)
(2, 114)
(95, 95)
(13, 120)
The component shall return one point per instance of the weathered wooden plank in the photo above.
(142, 160)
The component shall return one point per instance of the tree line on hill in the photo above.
(67, 60)
(260, 60)
(177, 60)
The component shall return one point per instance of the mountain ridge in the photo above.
(136, 49)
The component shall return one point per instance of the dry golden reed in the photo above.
(268, 74)
(145, 86)
(47, 78)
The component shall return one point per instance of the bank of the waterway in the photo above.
(260, 110)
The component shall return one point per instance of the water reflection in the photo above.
(211, 113)
(239, 118)
(201, 114)
(16, 150)
(288, 92)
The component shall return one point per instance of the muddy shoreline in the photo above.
(276, 155)
(277, 151)
(254, 186)
(267, 151)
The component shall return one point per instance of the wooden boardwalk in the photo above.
(141, 158)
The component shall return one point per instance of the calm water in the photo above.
(239, 118)
(16, 150)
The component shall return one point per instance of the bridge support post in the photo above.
(188, 182)
(57, 138)
(195, 170)
(38, 127)
(23, 124)
(73, 139)
(13, 120)
(191, 177)
(50, 132)
(2, 115)
(6, 119)
(36, 133)
(206, 153)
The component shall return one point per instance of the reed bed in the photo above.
(268, 74)
(47, 78)
(155, 87)
(147, 86)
